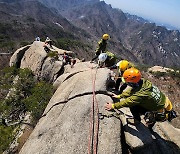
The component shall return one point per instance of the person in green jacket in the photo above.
(101, 46)
(142, 97)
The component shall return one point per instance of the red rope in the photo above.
(91, 127)
(93, 137)
(97, 118)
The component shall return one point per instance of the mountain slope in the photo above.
(131, 38)
(22, 21)
(62, 5)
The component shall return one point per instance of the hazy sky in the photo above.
(159, 11)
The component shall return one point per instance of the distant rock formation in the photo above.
(160, 69)
(42, 66)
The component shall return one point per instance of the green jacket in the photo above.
(147, 96)
(111, 60)
(101, 46)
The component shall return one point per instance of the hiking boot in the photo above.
(171, 115)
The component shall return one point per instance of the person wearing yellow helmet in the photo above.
(143, 97)
(121, 66)
(101, 46)
(124, 65)
(105, 37)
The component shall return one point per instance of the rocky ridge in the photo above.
(64, 126)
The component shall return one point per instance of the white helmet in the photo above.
(102, 57)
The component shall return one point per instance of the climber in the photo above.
(101, 59)
(37, 39)
(122, 66)
(48, 45)
(143, 98)
(111, 59)
(106, 59)
(49, 41)
(68, 59)
(101, 46)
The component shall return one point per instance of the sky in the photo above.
(166, 12)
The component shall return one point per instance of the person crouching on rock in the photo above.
(107, 59)
(121, 66)
(142, 97)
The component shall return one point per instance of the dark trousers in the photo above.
(137, 111)
(95, 57)
(118, 81)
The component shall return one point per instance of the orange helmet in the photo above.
(132, 75)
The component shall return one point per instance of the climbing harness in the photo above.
(153, 116)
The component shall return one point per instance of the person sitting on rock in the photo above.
(143, 97)
(101, 46)
(122, 66)
(37, 39)
(48, 45)
(49, 41)
(68, 59)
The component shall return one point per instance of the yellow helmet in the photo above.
(132, 75)
(124, 65)
(105, 37)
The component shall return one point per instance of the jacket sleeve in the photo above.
(126, 93)
(98, 49)
(128, 102)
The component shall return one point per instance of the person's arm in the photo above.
(126, 93)
(128, 102)
(99, 48)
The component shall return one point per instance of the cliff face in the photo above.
(67, 122)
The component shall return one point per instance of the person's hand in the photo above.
(114, 95)
(108, 106)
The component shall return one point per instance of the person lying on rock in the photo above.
(121, 66)
(68, 59)
(142, 97)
